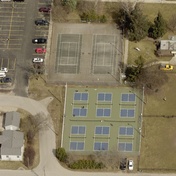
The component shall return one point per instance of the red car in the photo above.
(45, 9)
(40, 50)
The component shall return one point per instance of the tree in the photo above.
(61, 154)
(132, 22)
(70, 4)
(133, 72)
(152, 78)
(159, 28)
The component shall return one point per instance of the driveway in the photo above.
(48, 165)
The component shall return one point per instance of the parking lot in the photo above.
(12, 21)
(17, 29)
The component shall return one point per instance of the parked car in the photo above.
(123, 163)
(39, 40)
(41, 22)
(2, 75)
(4, 69)
(5, 0)
(38, 60)
(45, 9)
(166, 67)
(40, 50)
(18, 0)
(7, 80)
(130, 165)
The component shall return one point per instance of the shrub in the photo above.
(61, 154)
(29, 155)
(86, 164)
(92, 16)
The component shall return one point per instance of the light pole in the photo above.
(138, 130)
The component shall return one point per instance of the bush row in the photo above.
(86, 164)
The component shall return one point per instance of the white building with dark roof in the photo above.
(12, 145)
(12, 121)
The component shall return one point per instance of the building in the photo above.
(12, 120)
(166, 47)
(102, 119)
(12, 145)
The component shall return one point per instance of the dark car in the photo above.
(123, 163)
(41, 22)
(7, 80)
(18, 0)
(39, 40)
(45, 9)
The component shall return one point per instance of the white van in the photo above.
(2, 75)
(5, 0)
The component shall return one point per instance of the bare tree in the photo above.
(39, 121)
(152, 78)
(36, 123)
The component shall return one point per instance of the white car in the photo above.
(2, 75)
(130, 165)
(4, 69)
(37, 59)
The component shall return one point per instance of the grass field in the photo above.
(158, 150)
(147, 45)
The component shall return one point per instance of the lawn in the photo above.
(147, 45)
(158, 150)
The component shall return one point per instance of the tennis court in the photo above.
(102, 119)
(68, 53)
(104, 54)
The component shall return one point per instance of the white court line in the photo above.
(93, 54)
(64, 58)
(68, 51)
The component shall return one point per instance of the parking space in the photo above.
(12, 21)
(41, 31)
(8, 63)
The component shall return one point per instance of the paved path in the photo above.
(48, 165)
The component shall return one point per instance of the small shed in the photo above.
(12, 120)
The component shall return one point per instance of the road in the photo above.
(48, 165)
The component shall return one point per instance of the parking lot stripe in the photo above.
(14, 64)
(2, 62)
(14, 44)
(4, 16)
(13, 20)
(13, 25)
(11, 35)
